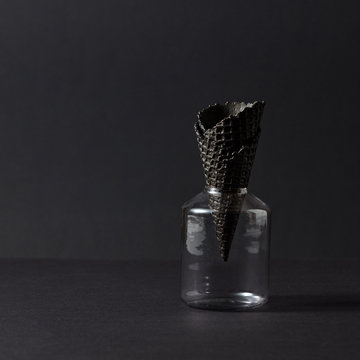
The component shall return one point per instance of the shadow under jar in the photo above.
(241, 282)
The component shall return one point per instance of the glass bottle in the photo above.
(241, 282)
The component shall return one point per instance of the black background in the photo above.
(98, 101)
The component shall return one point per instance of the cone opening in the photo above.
(212, 115)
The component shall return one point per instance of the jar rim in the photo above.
(217, 191)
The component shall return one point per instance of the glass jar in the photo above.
(241, 282)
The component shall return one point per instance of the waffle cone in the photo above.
(227, 136)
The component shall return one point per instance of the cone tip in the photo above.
(224, 255)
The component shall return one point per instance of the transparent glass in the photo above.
(241, 282)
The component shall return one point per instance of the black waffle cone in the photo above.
(226, 210)
(227, 136)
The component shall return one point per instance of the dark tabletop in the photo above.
(67, 309)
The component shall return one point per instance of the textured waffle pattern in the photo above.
(226, 210)
(227, 136)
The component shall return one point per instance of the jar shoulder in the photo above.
(200, 201)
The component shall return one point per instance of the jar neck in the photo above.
(217, 191)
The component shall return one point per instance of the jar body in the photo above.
(209, 282)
